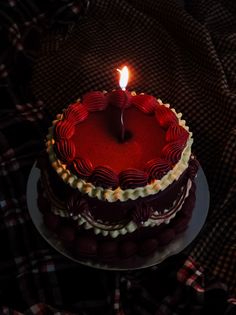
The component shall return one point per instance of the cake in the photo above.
(117, 176)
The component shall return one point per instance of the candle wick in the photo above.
(122, 117)
(122, 125)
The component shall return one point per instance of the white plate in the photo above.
(137, 262)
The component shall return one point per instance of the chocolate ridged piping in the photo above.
(107, 226)
(176, 132)
(132, 178)
(172, 152)
(83, 167)
(76, 204)
(105, 177)
(157, 168)
(141, 213)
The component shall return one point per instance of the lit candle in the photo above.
(124, 77)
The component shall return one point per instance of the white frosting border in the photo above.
(120, 194)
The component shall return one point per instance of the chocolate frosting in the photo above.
(83, 167)
(76, 204)
(176, 132)
(132, 178)
(105, 177)
(172, 151)
(141, 213)
(157, 168)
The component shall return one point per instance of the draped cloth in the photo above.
(51, 54)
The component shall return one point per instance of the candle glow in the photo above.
(124, 77)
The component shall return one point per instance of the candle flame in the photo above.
(124, 77)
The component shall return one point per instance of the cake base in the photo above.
(134, 253)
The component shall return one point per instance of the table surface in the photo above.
(137, 262)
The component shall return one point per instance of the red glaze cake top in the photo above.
(87, 139)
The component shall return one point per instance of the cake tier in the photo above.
(86, 150)
(85, 244)
(118, 217)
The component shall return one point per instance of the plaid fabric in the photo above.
(183, 56)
